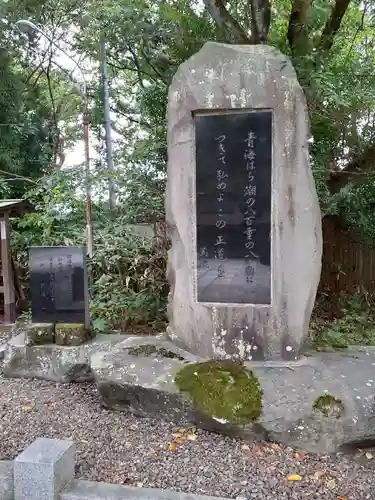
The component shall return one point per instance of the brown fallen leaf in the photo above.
(179, 440)
(294, 477)
(300, 455)
(178, 432)
(275, 446)
(245, 447)
(340, 497)
(192, 437)
(257, 449)
(369, 456)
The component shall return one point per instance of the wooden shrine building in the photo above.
(11, 294)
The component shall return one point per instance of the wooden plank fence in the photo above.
(348, 264)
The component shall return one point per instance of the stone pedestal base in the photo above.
(39, 333)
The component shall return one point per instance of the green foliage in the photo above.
(356, 205)
(223, 390)
(341, 321)
(142, 196)
(128, 278)
(128, 285)
(24, 139)
(146, 41)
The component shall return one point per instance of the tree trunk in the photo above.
(260, 21)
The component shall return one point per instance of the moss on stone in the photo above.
(329, 406)
(72, 334)
(150, 349)
(39, 334)
(224, 390)
(165, 353)
(142, 350)
(69, 326)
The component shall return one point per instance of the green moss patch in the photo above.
(222, 389)
(143, 350)
(329, 406)
(151, 349)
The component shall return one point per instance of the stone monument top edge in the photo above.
(213, 53)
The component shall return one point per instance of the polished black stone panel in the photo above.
(233, 205)
(58, 284)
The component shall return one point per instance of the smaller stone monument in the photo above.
(59, 296)
(242, 206)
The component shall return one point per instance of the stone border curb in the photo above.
(89, 490)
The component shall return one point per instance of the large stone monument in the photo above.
(241, 203)
(244, 269)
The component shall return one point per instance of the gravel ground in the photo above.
(120, 448)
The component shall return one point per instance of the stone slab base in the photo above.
(53, 362)
(321, 403)
(69, 334)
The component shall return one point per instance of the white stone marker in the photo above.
(43, 469)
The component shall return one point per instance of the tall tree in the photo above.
(24, 136)
(330, 42)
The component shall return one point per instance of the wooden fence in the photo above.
(348, 264)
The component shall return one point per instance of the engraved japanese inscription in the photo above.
(58, 283)
(233, 205)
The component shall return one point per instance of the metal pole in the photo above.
(89, 230)
(86, 121)
(107, 121)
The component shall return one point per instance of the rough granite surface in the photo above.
(145, 385)
(233, 76)
(53, 362)
(44, 469)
